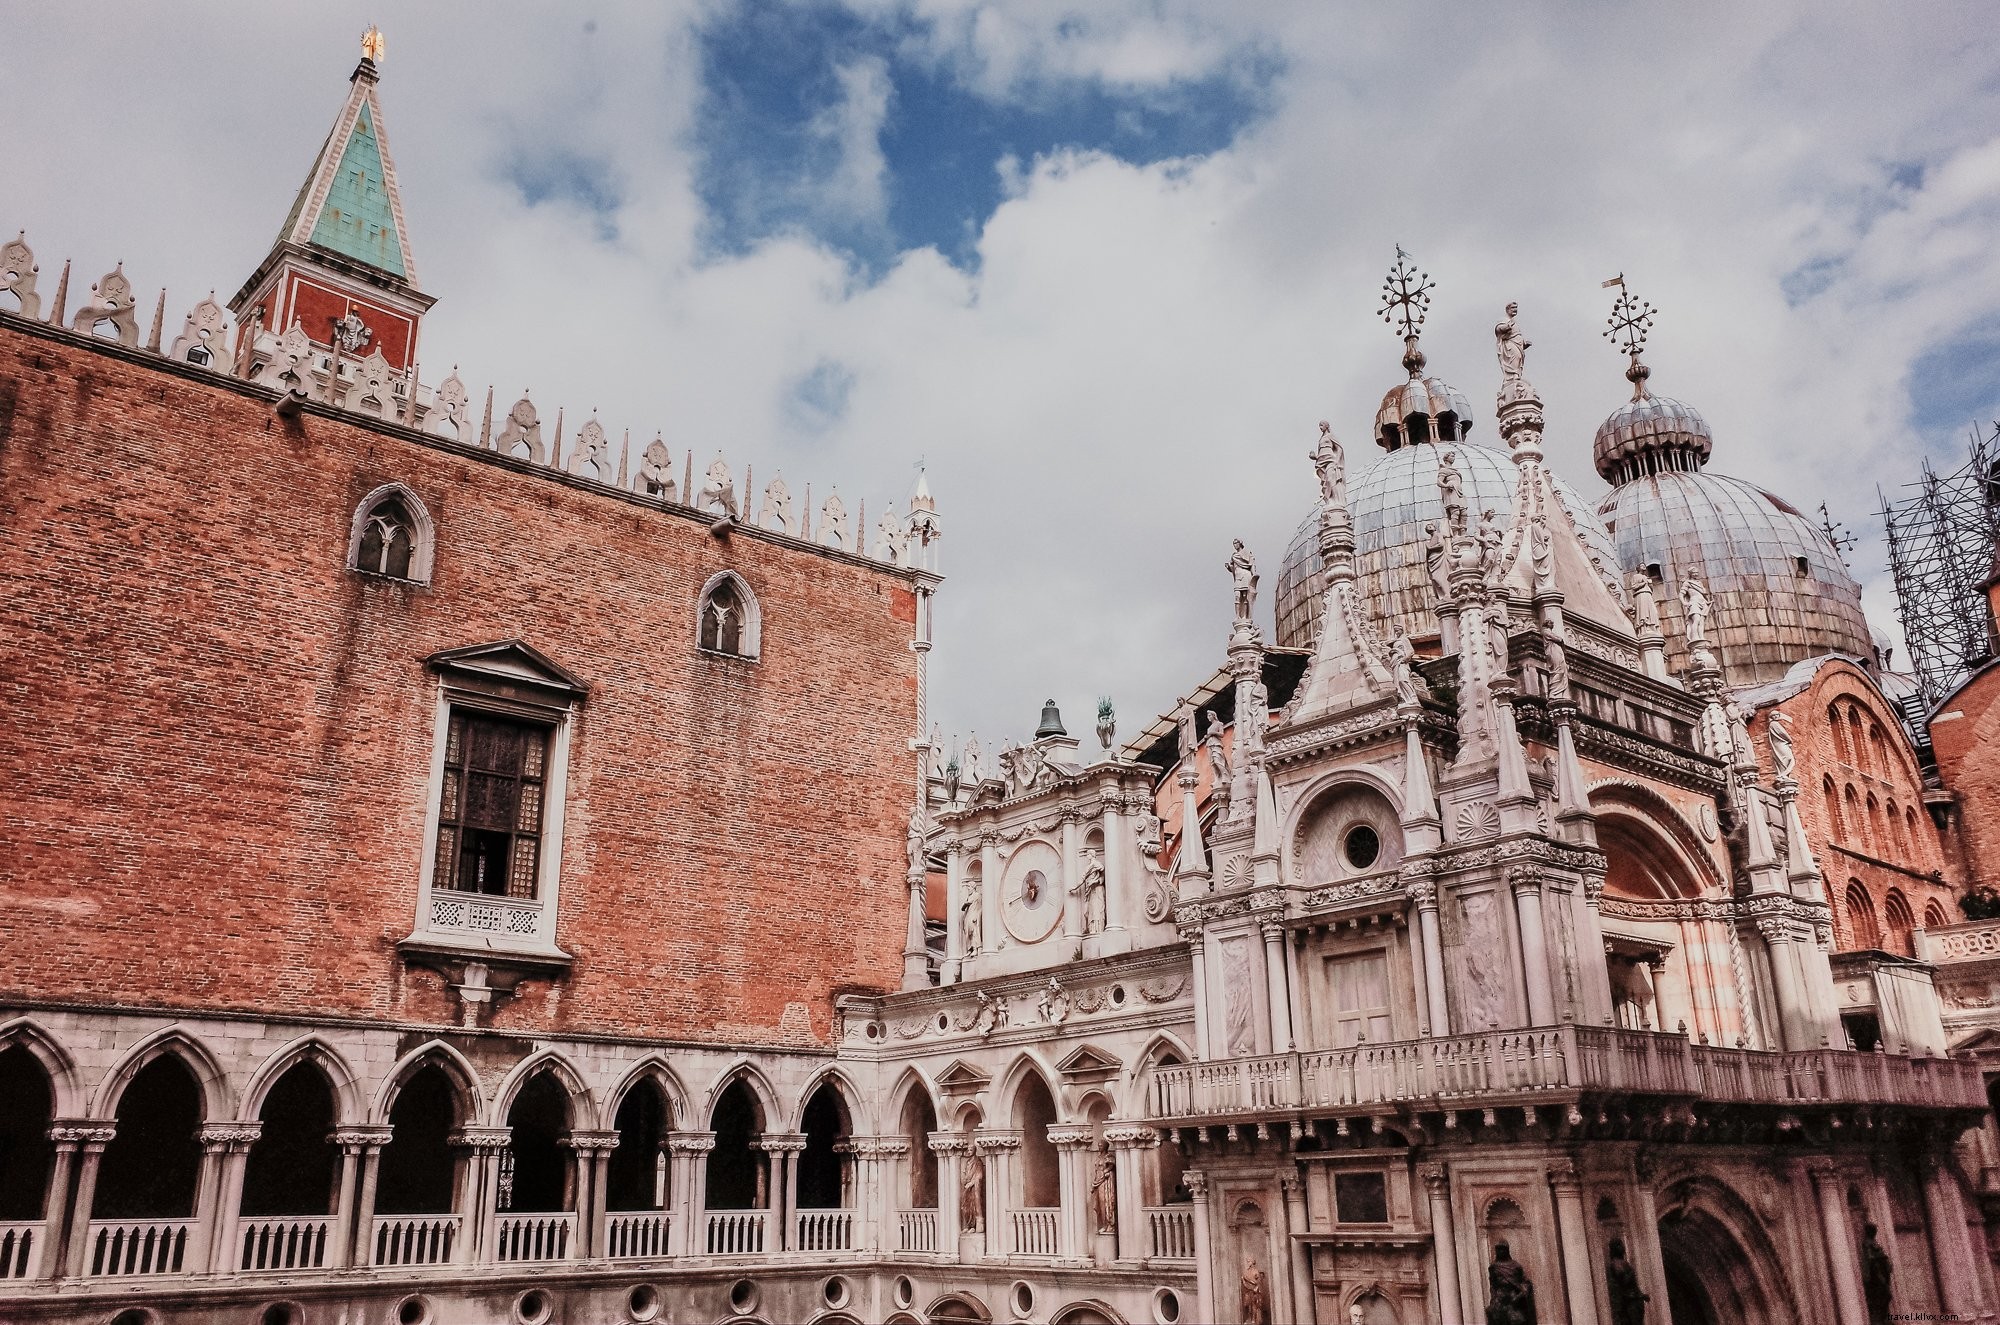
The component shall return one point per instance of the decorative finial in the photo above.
(1406, 297)
(373, 44)
(1631, 319)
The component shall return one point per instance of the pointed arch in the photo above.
(754, 1081)
(66, 1089)
(727, 617)
(217, 1099)
(582, 1104)
(432, 1053)
(850, 1100)
(1018, 1071)
(321, 1053)
(389, 513)
(656, 1069)
(912, 1081)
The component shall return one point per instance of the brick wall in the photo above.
(217, 741)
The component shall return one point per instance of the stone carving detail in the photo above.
(591, 456)
(1159, 897)
(1239, 1030)
(373, 378)
(969, 909)
(293, 361)
(718, 490)
(1387, 885)
(201, 339)
(1621, 1286)
(1480, 935)
(115, 303)
(1242, 568)
(656, 472)
(1475, 820)
(972, 1193)
(1510, 1295)
(1054, 1005)
(833, 524)
(1104, 1192)
(522, 435)
(447, 409)
(889, 536)
(776, 511)
(1779, 733)
(1089, 892)
(1253, 1295)
(18, 273)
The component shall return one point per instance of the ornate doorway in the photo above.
(1720, 1269)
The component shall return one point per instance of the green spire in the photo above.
(357, 220)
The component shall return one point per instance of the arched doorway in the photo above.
(636, 1175)
(1719, 1268)
(824, 1198)
(143, 1212)
(419, 1174)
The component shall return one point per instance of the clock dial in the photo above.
(1032, 902)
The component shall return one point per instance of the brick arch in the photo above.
(1897, 923)
(1864, 930)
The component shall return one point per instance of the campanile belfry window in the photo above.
(490, 809)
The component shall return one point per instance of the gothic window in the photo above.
(1836, 827)
(391, 536)
(490, 811)
(727, 619)
(1934, 916)
(1897, 922)
(1861, 926)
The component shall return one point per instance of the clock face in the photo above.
(1032, 901)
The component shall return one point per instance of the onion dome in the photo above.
(1391, 501)
(1650, 435)
(1423, 409)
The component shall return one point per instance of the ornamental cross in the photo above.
(1631, 319)
(1406, 295)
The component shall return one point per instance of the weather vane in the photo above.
(1406, 295)
(1630, 318)
(373, 44)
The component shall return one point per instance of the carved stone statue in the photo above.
(1218, 763)
(656, 472)
(1876, 1276)
(1694, 601)
(1410, 688)
(1512, 348)
(18, 273)
(1253, 1295)
(1434, 551)
(718, 490)
(1510, 1296)
(1779, 733)
(1331, 465)
(1242, 567)
(1542, 551)
(968, 917)
(1029, 766)
(990, 1016)
(1645, 611)
(1185, 720)
(1104, 1192)
(1005, 761)
(972, 1194)
(1107, 722)
(914, 841)
(972, 765)
(1054, 1005)
(1621, 1285)
(1089, 891)
(1451, 490)
(952, 773)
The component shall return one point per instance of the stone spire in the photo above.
(1348, 668)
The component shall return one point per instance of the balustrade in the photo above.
(1036, 1230)
(1170, 1232)
(825, 1230)
(737, 1232)
(916, 1230)
(20, 1249)
(139, 1246)
(536, 1237)
(285, 1243)
(415, 1239)
(639, 1235)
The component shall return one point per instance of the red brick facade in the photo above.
(1965, 737)
(220, 738)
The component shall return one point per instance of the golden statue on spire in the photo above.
(373, 44)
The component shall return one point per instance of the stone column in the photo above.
(1204, 1263)
(1114, 866)
(1567, 1185)
(784, 1148)
(947, 1146)
(1072, 870)
(1073, 1151)
(688, 1180)
(954, 891)
(354, 1204)
(593, 1160)
(1957, 1272)
(1000, 1149)
(1197, 977)
(1280, 998)
(1849, 1301)
(225, 1153)
(86, 1141)
(1305, 1308)
(1527, 886)
(1444, 1243)
(55, 1215)
(1642, 1244)
(1424, 893)
(1129, 1144)
(1793, 1013)
(479, 1182)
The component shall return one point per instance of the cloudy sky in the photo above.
(1100, 266)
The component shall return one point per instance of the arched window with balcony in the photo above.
(637, 1182)
(27, 1108)
(535, 1204)
(825, 1193)
(143, 1210)
(420, 1172)
(1862, 929)
(290, 1178)
(739, 1175)
(1037, 1202)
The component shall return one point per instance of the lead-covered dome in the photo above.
(1778, 591)
(1391, 501)
(1649, 434)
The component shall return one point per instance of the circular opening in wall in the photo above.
(643, 1302)
(836, 1292)
(134, 1316)
(742, 1297)
(1166, 1306)
(873, 1030)
(1023, 1297)
(413, 1310)
(1118, 996)
(532, 1307)
(943, 1022)
(282, 1313)
(1362, 846)
(904, 1291)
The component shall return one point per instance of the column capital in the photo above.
(1564, 1177)
(780, 1143)
(359, 1138)
(989, 1140)
(1272, 929)
(1423, 892)
(1069, 1136)
(1290, 1183)
(1822, 1170)
(82, 1131)
(230, 1135)
(690, 1143)
(481, 1138)
(1131, 1137)
(1644, 1165)
(871, 1147)
(948, 1143)
(1197, 1185)
(1524, 879)
(1435, 1178)
(589, 1142)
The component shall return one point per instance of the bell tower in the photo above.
(341, 270)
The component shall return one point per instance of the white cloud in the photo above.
(1132, 371)
(857, 187)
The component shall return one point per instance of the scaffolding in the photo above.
(1942, 538)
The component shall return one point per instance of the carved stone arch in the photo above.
(1616, 800)
(953, 1308)
(1703, 1221)
(218, 1100)
(755, 1082)
(912, 1081)
(1308, 799)
(1018, 1071)
(859, 1120)
(65, 1090)
(656, 1069)
(1087, 1100)
(320, 1052)
(471, 1097)
(1090, 1311)
(423, 530)
(750, 638)
(582, 1104)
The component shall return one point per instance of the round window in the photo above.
(1362, 846)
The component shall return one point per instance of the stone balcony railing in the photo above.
(1972, 941)
(1550, 1065)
